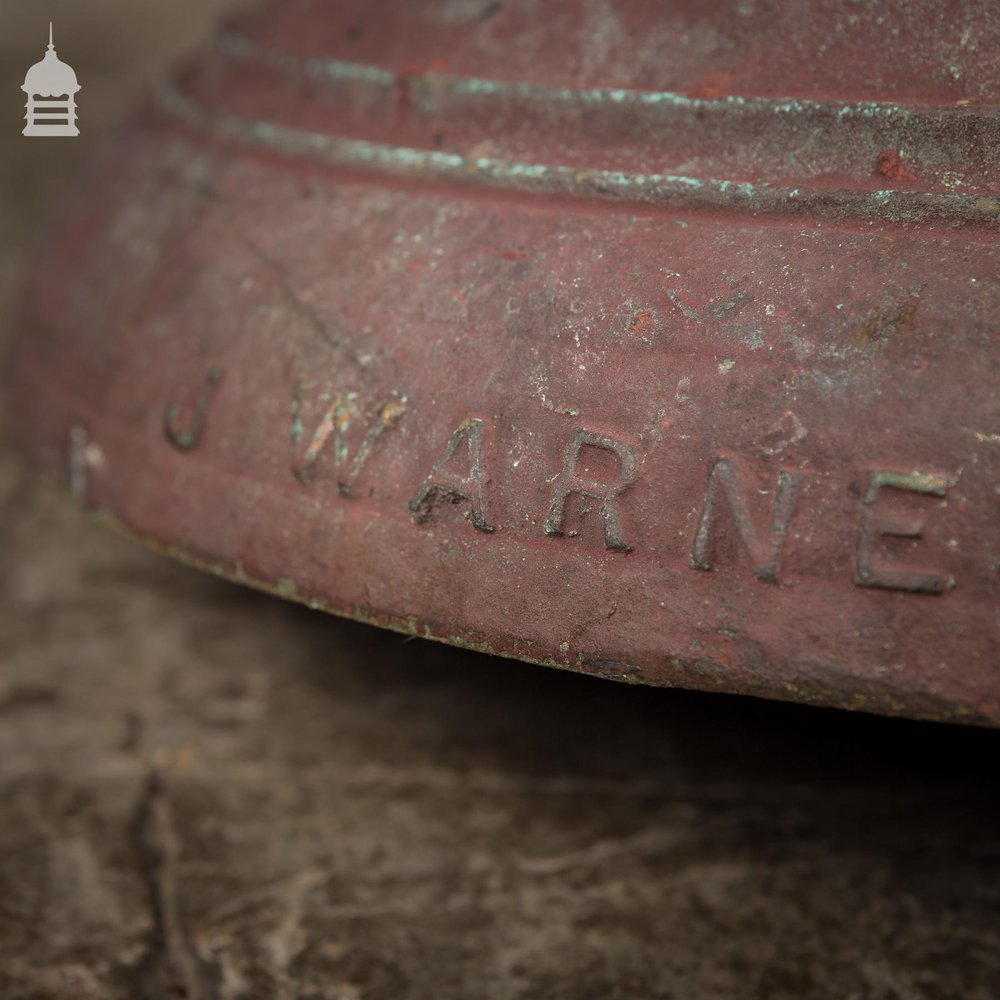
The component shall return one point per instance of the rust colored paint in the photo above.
(657, 341)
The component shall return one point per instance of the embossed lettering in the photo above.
(569, 482)
(334, 426)
(872, 573)
(765, 553)
(187, 440)
(452, 486)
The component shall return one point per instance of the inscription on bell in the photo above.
(570, 481)
(871, 569)
(732, 502)
(466, 485)
(729, 486)
(331, 433)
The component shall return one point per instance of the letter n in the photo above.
(724, 484)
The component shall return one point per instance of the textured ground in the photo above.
(205, 792)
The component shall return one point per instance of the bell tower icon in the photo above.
(51, 86)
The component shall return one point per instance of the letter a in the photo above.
(456, 488)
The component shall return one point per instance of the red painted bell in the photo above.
(653, 340)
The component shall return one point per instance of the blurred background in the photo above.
(208, 793)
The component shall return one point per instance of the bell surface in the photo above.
(659, 341)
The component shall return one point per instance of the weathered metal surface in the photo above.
(563, 331)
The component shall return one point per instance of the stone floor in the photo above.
(207, 793)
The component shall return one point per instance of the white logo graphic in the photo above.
(51, 87)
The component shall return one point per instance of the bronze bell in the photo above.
(655, 341)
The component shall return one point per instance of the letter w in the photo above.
(332, 429)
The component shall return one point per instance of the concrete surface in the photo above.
(207, 793)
